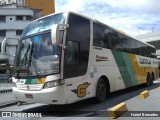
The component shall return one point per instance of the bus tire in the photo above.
(148, 81)
(101, 91)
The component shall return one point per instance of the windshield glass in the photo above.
(37, 56)
(43, 24)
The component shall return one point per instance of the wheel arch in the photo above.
(107, 83)
(153, 75)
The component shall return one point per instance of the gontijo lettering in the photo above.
(144, 61)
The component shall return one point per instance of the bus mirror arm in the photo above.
(9, 54)
(55, 33)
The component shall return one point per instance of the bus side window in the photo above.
(98, 35)
(72, 53)
(137, 50)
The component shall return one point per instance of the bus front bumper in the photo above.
(53, 95)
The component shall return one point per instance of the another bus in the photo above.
(67, 57)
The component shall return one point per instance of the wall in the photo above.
(47, 6)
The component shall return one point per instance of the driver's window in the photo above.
(72, 53)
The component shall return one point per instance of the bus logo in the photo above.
(81, 90)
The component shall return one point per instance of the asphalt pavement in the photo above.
(88, 109)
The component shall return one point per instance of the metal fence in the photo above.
(6, 94)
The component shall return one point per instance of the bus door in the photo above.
(76, 57)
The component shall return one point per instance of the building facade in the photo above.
(47, 6)
(13, 19)
(6, 2)
(14, 16)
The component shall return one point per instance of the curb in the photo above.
(144, 94)
(117, 110)
(8, 104)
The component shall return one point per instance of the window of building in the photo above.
(29, 17)
(19, 17)
(2, 33)
(10, 18)
(19, 32)
(2, 18)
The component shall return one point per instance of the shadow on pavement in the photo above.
(89, 107)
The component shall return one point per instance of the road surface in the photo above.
(90, 110)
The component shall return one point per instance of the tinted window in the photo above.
(2, 33)
(105, 37)
(72, 53)
(2, 18)
(43, 24)
(19, 32)
(153, 52)
(138, 50)
(115, 41)
(133, 46)
(126, 44)
(29, 17)
(101, 36)
(79, 33)
(148, 52)
(19, 17)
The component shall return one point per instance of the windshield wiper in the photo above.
(24, 60)
(32, 61)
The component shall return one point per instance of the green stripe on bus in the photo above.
(125, 67)
(31, 81)
(130, 69)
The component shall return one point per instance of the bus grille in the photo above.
(30, 87)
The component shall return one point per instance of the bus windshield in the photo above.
(35, 53)
(37, 56)
(43, 24)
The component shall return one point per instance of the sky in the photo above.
(134, 17)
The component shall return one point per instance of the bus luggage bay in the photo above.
(67, 57)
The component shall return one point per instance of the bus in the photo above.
(67, 57)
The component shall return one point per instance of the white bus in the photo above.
(67, 57)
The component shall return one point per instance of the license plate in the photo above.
(29, 96)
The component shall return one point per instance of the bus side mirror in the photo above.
(6, 42)
(3, 46)
(56, 33)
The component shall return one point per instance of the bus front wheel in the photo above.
(101, 91)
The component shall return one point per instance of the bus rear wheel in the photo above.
(149, 80)
(101, 91)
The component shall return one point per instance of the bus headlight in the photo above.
(53, 83)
